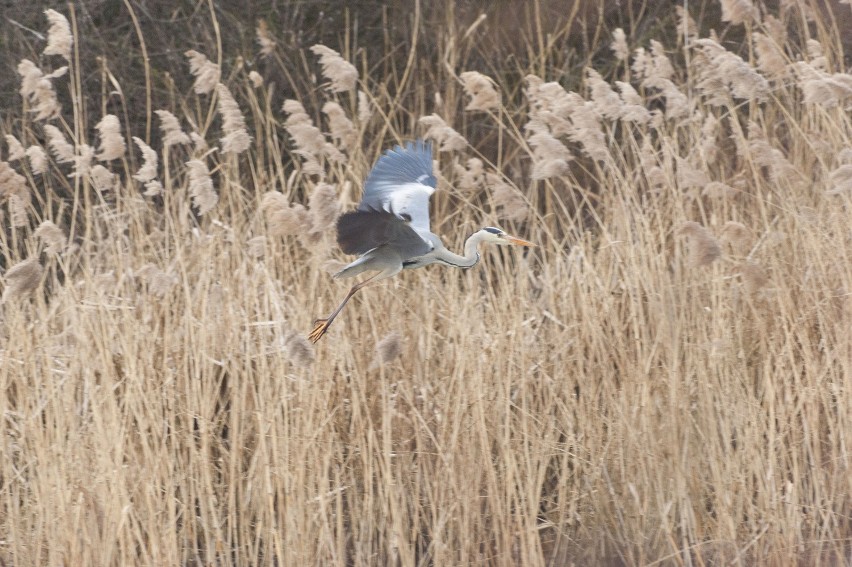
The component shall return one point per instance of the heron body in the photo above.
(389, 229)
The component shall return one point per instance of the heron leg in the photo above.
(322, 325)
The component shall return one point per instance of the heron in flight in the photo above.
(390, 227)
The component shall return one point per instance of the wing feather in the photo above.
(401, 183)
(360, 231)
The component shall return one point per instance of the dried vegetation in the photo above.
(666, 379)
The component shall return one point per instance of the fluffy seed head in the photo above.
(148, 171)
(38, 159)
(552, 108)
(365, 107)
(776, 28)
(11, 182)
(588, 132)
(764, 154)
(641, 63)
(343, 76)
(728, 69)
(298, 349)
(718, 190)
(236, 139)
(677, 103)
(307, 137)
(37, 88)
(633, 107)
(690, 176)
(619, 45)
(102, 179)
(823, 89)
(703, 247)
(63, 152)
(16, 150)
(204, 198)
(256, 247)
(199, 144)
(754, 276)
(509, 201)
(737, 236)
(310, 164)
(840, 180)
(472, 176)
(170, 127)
(19, 211)
(82, 161)
(342, 130)
(447, 139)
(550, 156)
(738, 11)
(816, 55)
(52, 236)
(481, 89)
(770, 56)
(686, 25)
(388, 349)
(324, 207)
(112, 145)
(264, 39)
(153, 188)
(59, 37)
(206, 72)
(159, 281)
(281, 218)
(21, 279)
(606, 101)
(661, 67)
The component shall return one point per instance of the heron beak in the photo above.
(518, 241)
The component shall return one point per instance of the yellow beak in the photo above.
(518, 241)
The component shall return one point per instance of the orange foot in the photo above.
(320, 327)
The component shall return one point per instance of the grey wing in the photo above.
(401, 183)
(359, 232)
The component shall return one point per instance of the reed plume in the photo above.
(204, 197)
(112, 145)
(59, 37)
(704, 249)
(342, 75)
(236, 139)
(170, 127)
(22, 279)
(206, 72)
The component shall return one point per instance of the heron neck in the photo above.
(471, 246)
(471, 255)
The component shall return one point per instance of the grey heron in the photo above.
(390, 227)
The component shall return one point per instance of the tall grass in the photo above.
(666, 379)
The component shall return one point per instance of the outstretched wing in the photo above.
(359, 232)
(401, 183)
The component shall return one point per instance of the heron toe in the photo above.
(320, 327)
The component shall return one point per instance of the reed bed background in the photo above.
(665, 380)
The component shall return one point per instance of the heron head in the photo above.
(498, 236)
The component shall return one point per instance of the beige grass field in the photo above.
(666, 379)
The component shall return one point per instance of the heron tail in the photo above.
(353, 269)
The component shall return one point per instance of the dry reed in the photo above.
(633, 391)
